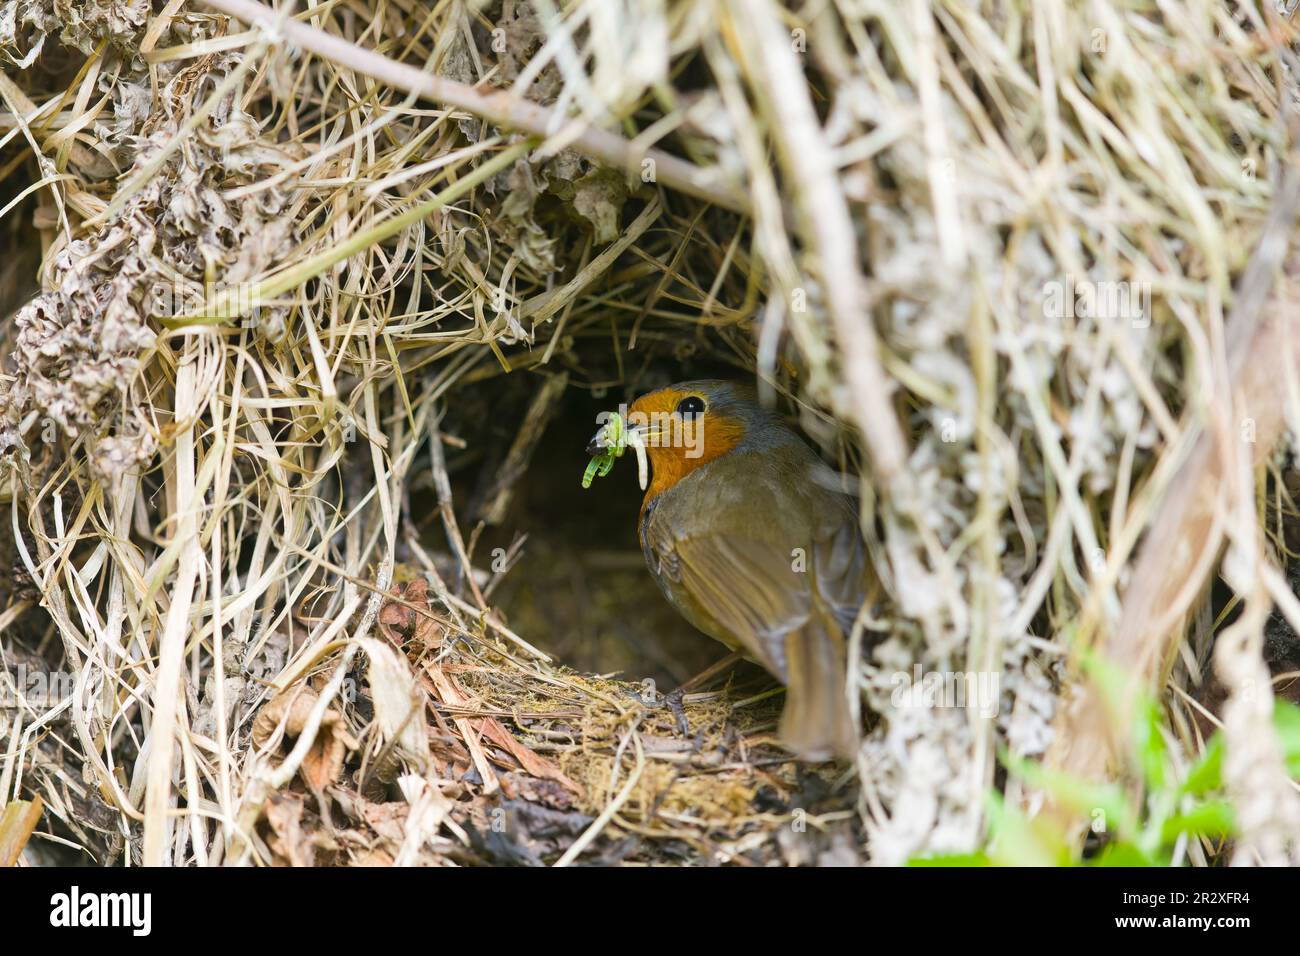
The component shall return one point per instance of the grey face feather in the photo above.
(763, 427)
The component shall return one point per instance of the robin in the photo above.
(748, 539)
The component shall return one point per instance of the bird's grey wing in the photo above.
(740, 591)
(843, 575)
(735, 551)
(758, 597)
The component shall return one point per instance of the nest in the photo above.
(308, 315)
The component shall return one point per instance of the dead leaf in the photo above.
(288, 841)
(599, 197)
(293, 707)
(522, 786)
(399, 622)
(452, 697)
(533, 763)
(17, 822)
(399, 702)
(387, 819)
(519, 833)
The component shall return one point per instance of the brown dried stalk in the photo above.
(496, 106)
(1187, 532)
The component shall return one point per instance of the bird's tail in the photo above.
(817, 723)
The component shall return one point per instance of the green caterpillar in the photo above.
(615, 440)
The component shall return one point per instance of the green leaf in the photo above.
(1116, 688)
(1079, 796)
(951, 859)
(1286, 720)
(1019, 841)
(1212, 819)
(1149, 743)
(1121, 853)
(1206, 774)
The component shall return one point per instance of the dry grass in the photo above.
(296, 301)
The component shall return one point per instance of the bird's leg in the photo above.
(674, 701)
(674, 698)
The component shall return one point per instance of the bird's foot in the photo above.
(674, 701)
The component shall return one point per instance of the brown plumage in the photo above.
(747, 538)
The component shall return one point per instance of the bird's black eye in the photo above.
(691, 405)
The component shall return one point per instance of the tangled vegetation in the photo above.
(307, 310)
